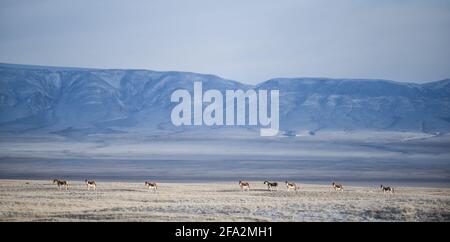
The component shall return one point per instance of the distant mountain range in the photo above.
(61, 100)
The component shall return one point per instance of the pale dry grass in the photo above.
(22, 200)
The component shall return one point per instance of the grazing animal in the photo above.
(90, 184)
(270, 185)
(387, 189)
(60, 183)
(150, 185)
(291, 185)
(244, 186)
(337, 187)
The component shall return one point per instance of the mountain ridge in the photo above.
(32, 66)
(58, 98)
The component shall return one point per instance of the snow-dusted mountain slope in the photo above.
(54, 99)
(351, 104)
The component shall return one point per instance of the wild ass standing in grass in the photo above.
(244, 186)
(291, 185)
(61, 183)
(337, 187)
(270, 185)
(151, 185)
(90, 184)
(387, 189)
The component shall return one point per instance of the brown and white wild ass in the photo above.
(244, 186)
(337, 187)
(387, 189)
(291, 185)
(60, 183)
(90, 184)
(151, 185)
(270, 185)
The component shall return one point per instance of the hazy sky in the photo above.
(247, 41)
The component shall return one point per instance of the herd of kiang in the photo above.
(293, 186)
(245, 186)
